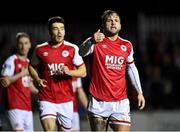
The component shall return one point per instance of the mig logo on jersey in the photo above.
(114, 62)
(55, 69)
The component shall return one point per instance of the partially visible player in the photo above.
(56, 60)
(18, 86)
(1, 107)
(80, 98)
(111, 57)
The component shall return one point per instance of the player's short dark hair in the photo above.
(105, 15)
(20, 35)
(53, 20)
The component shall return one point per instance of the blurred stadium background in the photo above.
(153, 27)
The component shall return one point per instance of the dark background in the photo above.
(78, 10)
(158, 65)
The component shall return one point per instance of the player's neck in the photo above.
(55, 45)
(113, 38)
(21, 57)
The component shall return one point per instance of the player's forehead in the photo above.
(57, 25)
(113, 16)
(23, 39)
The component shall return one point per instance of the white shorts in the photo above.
(63, 112)
(116, 112)
(21, 120)
(75, 122)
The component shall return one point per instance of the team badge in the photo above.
(19, 66)
(65, 53)
(45, 53)
(123, 48)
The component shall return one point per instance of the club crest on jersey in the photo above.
(19, 66)
(123, 48)
(65, 53)
(45, 53)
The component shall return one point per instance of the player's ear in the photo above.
(49, 32)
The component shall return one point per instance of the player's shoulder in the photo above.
(125, 40)
(12, 57)
(126, 43)
(42, 45)
(67, 43)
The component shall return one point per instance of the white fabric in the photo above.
(8, 66)
(77, 59)
(130, 57)
(21, 120)
(75, 122)
(62, 111)
(134, 76)
(119, 110)
(78, 83)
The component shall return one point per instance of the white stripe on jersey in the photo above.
(124, 40)
(130, 57)
(77, 60)
(43, 44)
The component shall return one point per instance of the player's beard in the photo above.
(57, 40)
(23, 53)
(110, 33)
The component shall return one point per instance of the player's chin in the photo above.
(113, 33)
(59, 40)
(23, 53)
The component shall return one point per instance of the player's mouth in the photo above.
(59, 37)
(113, 28)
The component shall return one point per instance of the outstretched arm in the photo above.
(134, 77)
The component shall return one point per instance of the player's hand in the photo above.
(42, 83)
(66, 70)
(98, 36)
(24, 72)
(5, 82)
(141, 101)
(60, 70)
